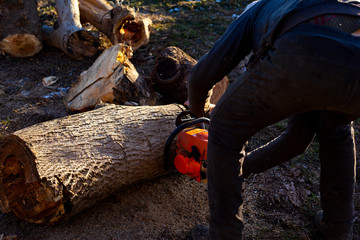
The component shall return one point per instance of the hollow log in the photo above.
(55, 169)
(172, 72)
(119, 24)
(112, 78)
(68, 34)
(20, 28)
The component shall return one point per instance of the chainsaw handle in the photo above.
(172, 136)
(180, 118)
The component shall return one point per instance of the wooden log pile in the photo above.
(113, 79)
(55, 169)
(21, 33)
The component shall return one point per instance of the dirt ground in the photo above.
(279, 203)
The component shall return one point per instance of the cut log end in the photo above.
(172, 73)
(121, 15)
(21, 189)
(119, 24)
(135, 32)
(167, 70)
(129, 29)
(82, 44)
(21, 45)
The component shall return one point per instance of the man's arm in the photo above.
(227, 52)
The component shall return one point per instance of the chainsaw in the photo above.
(191, 146)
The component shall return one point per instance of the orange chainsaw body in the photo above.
(191, 153)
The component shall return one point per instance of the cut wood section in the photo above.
(55, 169)
(119, 24)
(136, 33)
(112, 78)
(172, 72)
(68, 33)
(20, 28)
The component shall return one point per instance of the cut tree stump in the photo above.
(55, 169)
(68, 34)
(20, 28)
(112, 78)
(119, 24)
(172, 72)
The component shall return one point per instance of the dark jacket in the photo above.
(255, 28)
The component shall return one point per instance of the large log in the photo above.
(68, 34)
(20, 28)
(112, 78)
(53, 170)
(172, 72)
(119, 24)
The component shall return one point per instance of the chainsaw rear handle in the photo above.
(186, 124)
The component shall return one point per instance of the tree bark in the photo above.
(55, 169)
(20, 28)
(68, 33)
(112, 78)
(172, 73)
(119, 24)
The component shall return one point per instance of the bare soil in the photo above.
(279, 203)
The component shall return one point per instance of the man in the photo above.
(306, 65)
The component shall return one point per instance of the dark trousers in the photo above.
(309, 69)
(300, 131)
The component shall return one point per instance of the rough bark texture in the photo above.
(112, 78)
(68, 34)
(20, 28)
(119, 24)
(53, 170)
(98, 13)
(172, 72)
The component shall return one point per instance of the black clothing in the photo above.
(255, 30)
(301, 129)
(308, 68)
(288, 81)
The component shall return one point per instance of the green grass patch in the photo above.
(6, 121)
(193, 26)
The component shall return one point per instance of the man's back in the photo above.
(256, 28)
